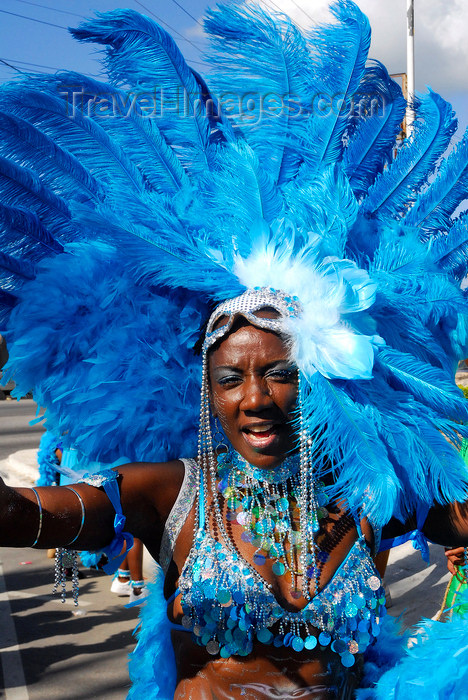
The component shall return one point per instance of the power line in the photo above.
(46, 7)
(10, 66)
(33, 19)
(173, 29)
(40, 65)
(187, 12)
(282, 12)
(277, 6)
(302, 10)
(26, 63)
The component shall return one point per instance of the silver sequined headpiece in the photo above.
(247, 304)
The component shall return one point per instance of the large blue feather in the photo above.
(407, 337)
(428, 384)
(13, 273)
(21, 186)
(370, 145)
(23, 232)
(434, 207)
(406, 430)
(423, 300)
(221, 127)
(15, 268)
(450, 251)
(75, 133)
(119, 333)
(121, 115)
(59, 169)
(167, 257)
(271, 60)
(395, 189)
(324, 206)
(433, 664)
(352, 445)
(339, 54)
(7, 303)
(144, 56)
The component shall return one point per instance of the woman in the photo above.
(329, 364)
(253, 391)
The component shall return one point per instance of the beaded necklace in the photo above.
(227, 604)
(266, 504)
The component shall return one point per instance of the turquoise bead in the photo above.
(359, 600)
(224, 596)
(339, 646)
(351, 610)
(282, 504)
(324, 639)
(347, 659)
(264, 635)
(297, 644)
(278, 568)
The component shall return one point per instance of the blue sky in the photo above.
(441, 47)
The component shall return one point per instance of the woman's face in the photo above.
(253, 392)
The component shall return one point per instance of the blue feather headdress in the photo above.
(129, 209)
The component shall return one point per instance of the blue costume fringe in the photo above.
(152, 664)
(47, 460)
(434, 665)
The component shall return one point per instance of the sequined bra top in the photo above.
(227, 604)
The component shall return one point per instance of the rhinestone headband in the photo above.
(246, 305)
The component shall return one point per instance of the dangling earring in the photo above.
(219, 439)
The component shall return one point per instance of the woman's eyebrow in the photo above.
(224, 368)
(286, 363)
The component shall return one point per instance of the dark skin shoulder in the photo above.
(446, 525)
(148, 493)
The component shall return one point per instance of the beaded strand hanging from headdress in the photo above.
(288, 309)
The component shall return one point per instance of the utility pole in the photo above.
(410, 66)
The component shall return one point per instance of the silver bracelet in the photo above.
(82, 516)
(39, 529)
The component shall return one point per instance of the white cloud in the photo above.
(308, 12)
(440, 36)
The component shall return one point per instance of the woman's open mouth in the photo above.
(261, 435)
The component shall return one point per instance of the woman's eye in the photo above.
(229, 380)
(285, 375)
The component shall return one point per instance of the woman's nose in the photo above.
(256, 396)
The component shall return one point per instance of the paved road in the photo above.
(15, 431)
(47, 651)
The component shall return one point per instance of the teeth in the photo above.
(261, 429)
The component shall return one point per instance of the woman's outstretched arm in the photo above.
(52, 516)
(83, 516)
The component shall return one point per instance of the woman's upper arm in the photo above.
(57, 516)
(448, 524)
(148, 492)
(395, 528)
